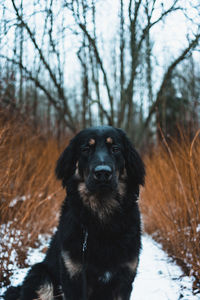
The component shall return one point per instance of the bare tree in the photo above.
(167, 77)
(115, 77)
(59, 100)
(122, 63)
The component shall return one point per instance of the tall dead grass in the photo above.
(171, 201)
(30, 196)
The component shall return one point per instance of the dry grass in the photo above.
(30, 195)
(171, 201)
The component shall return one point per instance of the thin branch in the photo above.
(150, 25)
(167, 76)
(92, 42)
(108, 117)
(38, 84)
(31, 35)
(99, 61)
(52, 76)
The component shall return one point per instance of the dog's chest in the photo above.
(104, 253)
(101, 256)
(101, 251)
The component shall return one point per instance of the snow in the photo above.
(198, 228)
(17, 199)
(158, 277)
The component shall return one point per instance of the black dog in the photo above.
(94, 253)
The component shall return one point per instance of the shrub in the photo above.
(171, 201)
(30, 196)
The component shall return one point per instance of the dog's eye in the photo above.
(115, 149)
(85, 149)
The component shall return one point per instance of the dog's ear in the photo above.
(66, 164)
(134, 165)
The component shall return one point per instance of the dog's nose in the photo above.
(103, 173)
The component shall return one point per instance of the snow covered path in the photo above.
(158, 278)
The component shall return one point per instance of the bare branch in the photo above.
(46, 65)
(38, 84)
(31, 35)
(167, 76)
(108, 117)
(99, 61)
(92, 42)
(150, 25)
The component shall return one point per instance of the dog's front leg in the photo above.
(72, 287)
(71, 278)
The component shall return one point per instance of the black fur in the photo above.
(102, 173)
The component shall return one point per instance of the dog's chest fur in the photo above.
(104, 247)
(108, 240)
(103, 257)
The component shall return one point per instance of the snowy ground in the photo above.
(158, 278)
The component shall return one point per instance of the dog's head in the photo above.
(100, 157)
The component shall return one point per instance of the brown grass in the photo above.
(30, 195)
(171, 201)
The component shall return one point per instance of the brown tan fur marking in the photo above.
(103, 208)
(109, 140)
(77, 171)
(92, 142)
(121, 188)
(132, 265)
(122, 184)
(46, 292)
(72, 267)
